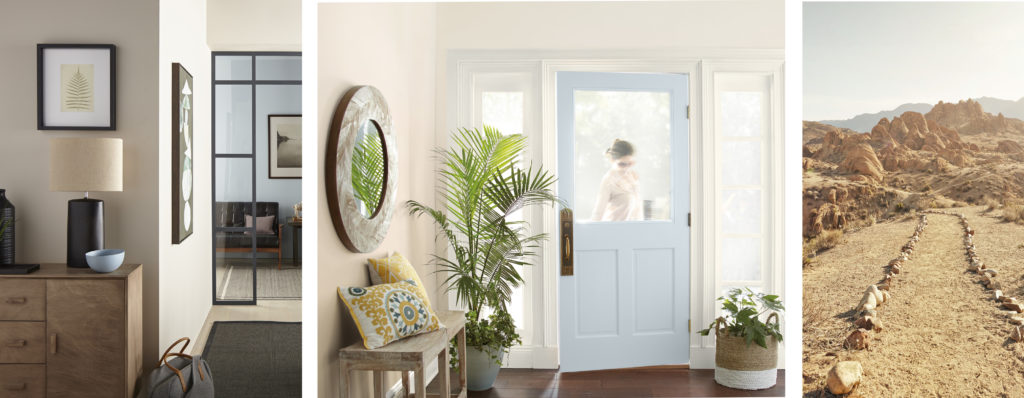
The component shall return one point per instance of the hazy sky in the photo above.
(868, 57)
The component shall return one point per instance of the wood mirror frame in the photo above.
(359, 233)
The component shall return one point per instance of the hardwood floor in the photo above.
(537, 383)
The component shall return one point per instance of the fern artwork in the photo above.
(76, 94)
(368, 169)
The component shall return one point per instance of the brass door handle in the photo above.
(53, 344)
(15, 386)
(16, 300)
(567, 245)
(17, 343)
(567, 225)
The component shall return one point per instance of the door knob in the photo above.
(17, 343)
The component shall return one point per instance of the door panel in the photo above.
(85, 355)
(627, 303)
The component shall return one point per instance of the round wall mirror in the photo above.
(361, 169)
(368, 169)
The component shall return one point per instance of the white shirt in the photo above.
(618, 198)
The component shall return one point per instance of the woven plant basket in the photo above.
(743, 366)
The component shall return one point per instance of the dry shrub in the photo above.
(991, 204)
(1013, 213)
(825, 240)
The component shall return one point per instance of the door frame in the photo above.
(700, 65)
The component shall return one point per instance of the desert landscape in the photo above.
(913, 240)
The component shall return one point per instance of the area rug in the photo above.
(271, 283)
(255, 359)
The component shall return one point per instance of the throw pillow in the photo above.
(264, 225)
(393, 269)
(389, 312)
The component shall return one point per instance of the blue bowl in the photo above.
(105, 260)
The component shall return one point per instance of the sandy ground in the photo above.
(943, 334)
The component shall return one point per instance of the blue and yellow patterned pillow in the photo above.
(389, 312)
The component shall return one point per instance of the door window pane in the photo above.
(503, 110)
(233, 119)
(622, 155)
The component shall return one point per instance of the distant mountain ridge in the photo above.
(866, 121)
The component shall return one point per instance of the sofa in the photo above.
(232, 215)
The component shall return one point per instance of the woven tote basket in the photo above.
(743, 366)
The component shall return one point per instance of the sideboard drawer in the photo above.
(22, 381)
(22, 342)
(22, 300)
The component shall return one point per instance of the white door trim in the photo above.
(699, 64)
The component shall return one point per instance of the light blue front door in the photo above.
(623, 169)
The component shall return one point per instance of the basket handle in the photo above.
(773, 315)
(718, 325)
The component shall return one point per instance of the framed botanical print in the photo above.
(181, 146)
(75, 87)
(284, 133)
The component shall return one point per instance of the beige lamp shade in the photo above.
(86, 164)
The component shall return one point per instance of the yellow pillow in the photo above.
(389, 312)
(395, 269)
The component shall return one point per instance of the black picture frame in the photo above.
(182, 155)
(41, 80)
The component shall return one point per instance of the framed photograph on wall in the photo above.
(284, 133)
(181, 158)
(75, 87)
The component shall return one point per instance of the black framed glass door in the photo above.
(257, 104)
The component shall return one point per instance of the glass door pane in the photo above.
(233, 229)
(623, 156)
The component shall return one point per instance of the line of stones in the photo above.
(988, 279)
(846, 375)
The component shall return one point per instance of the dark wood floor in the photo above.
(538, 383)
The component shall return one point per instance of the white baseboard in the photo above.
(532, 357)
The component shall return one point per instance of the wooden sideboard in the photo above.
(71, 332)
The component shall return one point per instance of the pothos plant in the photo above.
(744, 310)
(482, 184)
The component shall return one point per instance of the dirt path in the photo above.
(943, 334)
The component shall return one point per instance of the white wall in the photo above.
(254, 25)
(185, 281)
(389, 46)
(131, 215)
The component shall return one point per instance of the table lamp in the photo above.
(84, 165)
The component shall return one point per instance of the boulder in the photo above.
(1016, 320)
(1017, 334)
(858, 340)
(844, 377)
(997, 295)
(1012, 307)
(878, 294)
(991, 273)
(886, 296)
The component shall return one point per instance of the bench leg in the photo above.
(444, 373)
(421, 382)
(405, 384)
(344, 380)
(460, 339)
(378, 384)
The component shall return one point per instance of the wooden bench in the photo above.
(412, 355)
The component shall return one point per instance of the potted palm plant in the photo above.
(746, 351)
(481, 185)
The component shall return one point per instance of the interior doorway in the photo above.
(257, 170)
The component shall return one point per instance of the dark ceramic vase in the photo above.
(6, 218)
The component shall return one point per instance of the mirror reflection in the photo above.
(368, 168)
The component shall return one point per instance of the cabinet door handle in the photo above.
(16, 300)
(17, 343)
(15, 387)
(53, 344)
